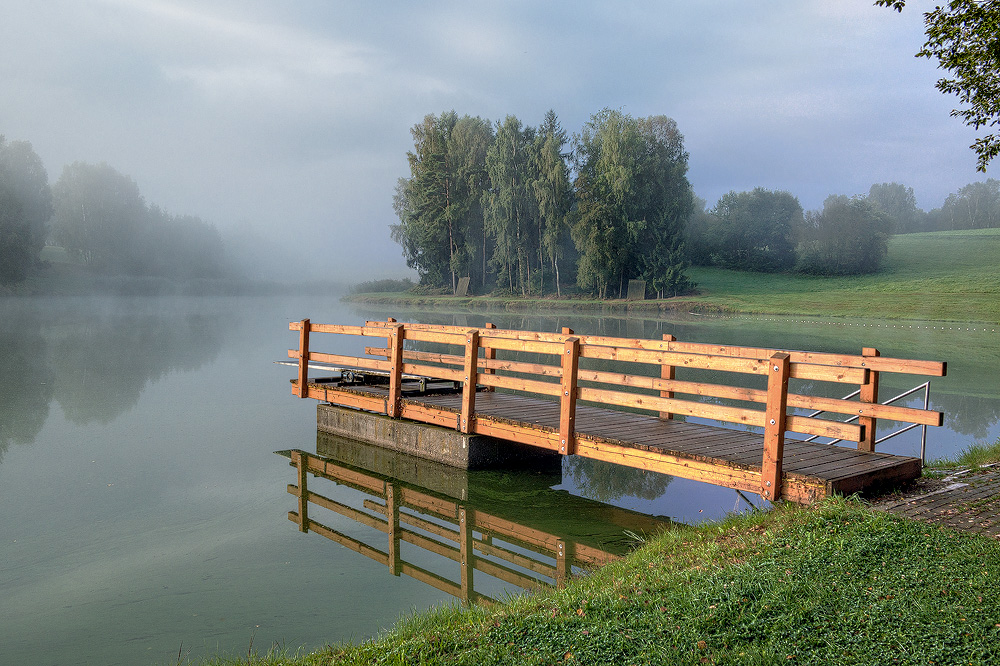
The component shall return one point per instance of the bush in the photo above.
(381, 286)
(850, 237)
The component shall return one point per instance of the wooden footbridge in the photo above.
(569, 393)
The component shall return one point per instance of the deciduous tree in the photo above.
(25, 209)
(974, 206)
(509, 205)
(850, 236)
(633, 198)
(99, 217)
(964, 37)
(553, 193)
(438, 205)
(756, 230)
(898, 202)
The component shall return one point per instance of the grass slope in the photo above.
(948, 275)
(833, 583)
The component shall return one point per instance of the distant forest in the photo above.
(100, 218)
(532, 211)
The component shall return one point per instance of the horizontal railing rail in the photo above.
(596, 369)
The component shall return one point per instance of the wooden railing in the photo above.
(565, 379)
(475, 540)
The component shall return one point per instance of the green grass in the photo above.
(833, 583)
(938, 276)
(975, 456)
(950, 276)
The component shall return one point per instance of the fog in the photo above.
(287, 126)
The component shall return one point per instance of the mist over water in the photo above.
(142, 508)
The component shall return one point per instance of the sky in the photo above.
(289, 122)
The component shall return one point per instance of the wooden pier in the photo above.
(573, 404)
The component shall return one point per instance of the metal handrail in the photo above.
(926, 386)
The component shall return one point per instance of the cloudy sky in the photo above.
(290, 120)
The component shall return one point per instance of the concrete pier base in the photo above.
(429, 442)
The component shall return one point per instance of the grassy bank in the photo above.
(833, 583)
(939, 276)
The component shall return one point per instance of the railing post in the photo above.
(395, 344)
(467, 556)
(471, 376)
(567, 402)
(869, 394)
(489, 354)
(667, 372)
(303, 492)
(562, 564)
(774, 426)
(392, 516)
(303, 358)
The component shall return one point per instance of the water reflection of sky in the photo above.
(138, 488)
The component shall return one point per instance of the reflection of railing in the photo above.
(926, 387)
(475, 540)
(566, 381)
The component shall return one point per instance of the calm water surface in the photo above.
(143, 510)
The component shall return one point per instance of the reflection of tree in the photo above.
(604, 481)
(25, 380)
(968, 415)
(107, 361)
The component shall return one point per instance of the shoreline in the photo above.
(682, 305)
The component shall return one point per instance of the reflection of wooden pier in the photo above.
(475, 540)
(748, 387)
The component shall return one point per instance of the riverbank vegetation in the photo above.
(99, 217)
(833, 583)
(932, 276)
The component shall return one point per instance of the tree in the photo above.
(553, 193)
(964, 37)
(471, 139)
(756, 230)
(665, 202)
(423, 203)
(700, 232)
(849, 237)
(633, 198)
(25, 209)
(180, 246)
(606, 236)
(509, 205)
(438, 204)
(103, 220)
(898, 202)
(15, 238)
(975, 206)
(100, 217)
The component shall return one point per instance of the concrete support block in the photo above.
(429, 442)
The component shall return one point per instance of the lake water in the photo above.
(143, 511)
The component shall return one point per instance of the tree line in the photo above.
(99, 217)
(528, 210)
(767, 231)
